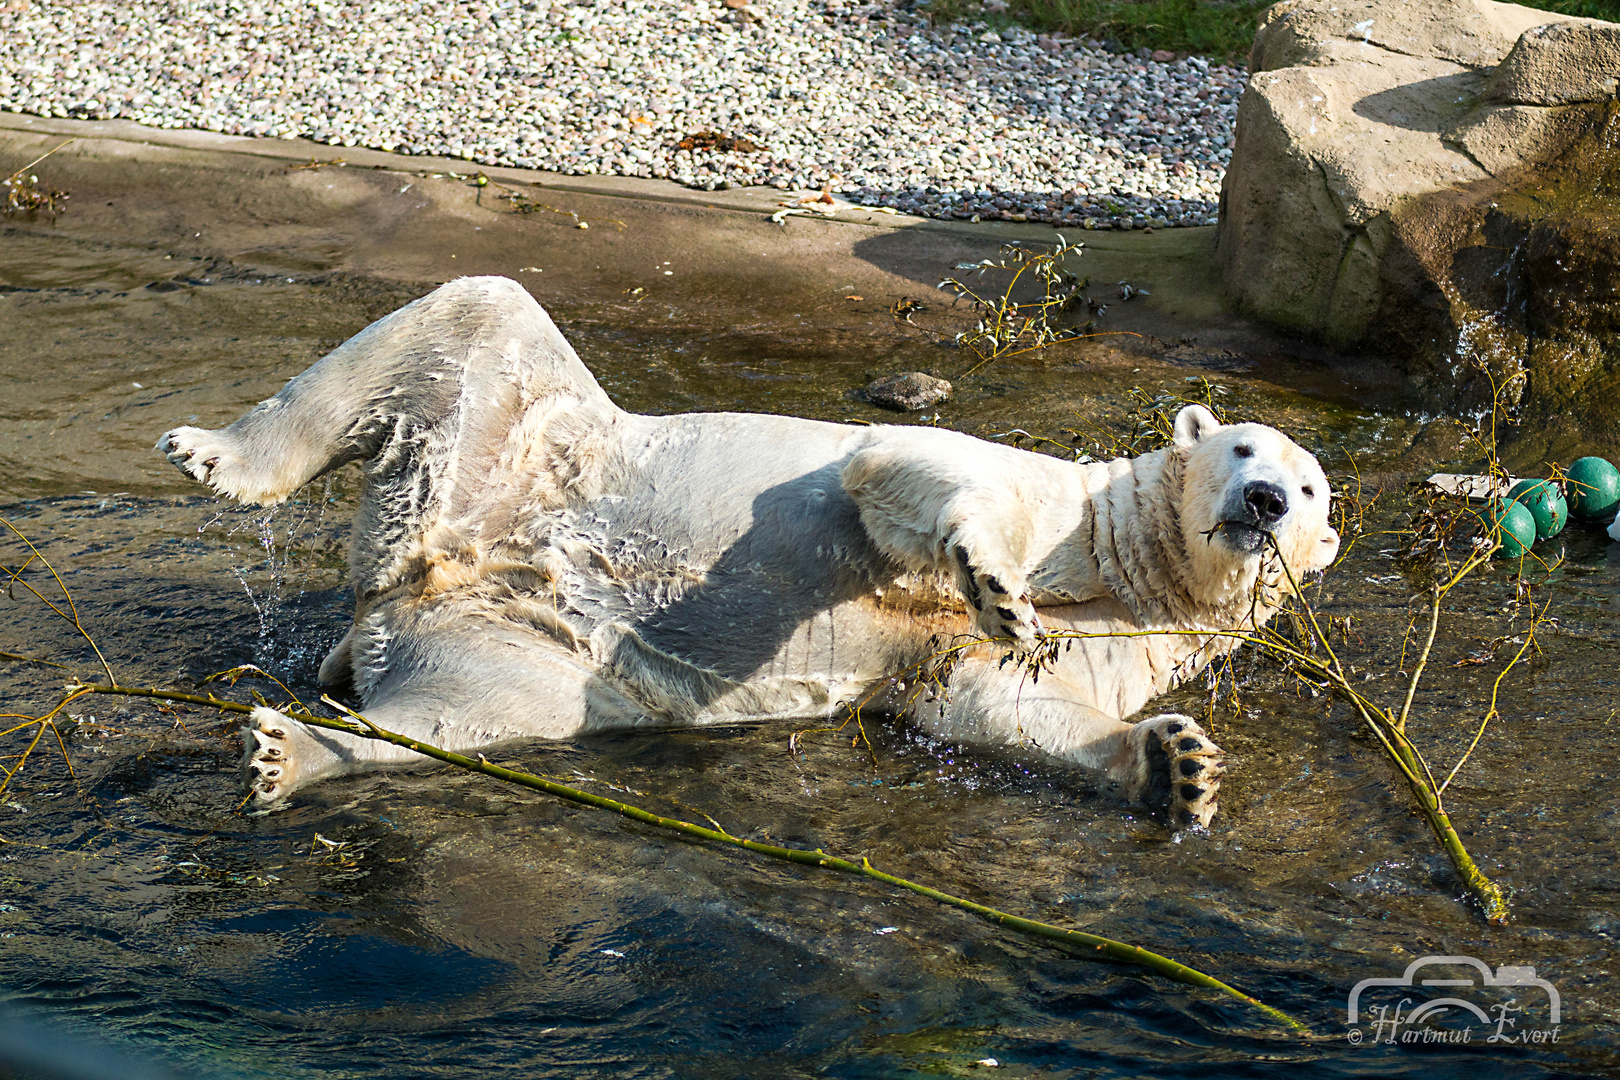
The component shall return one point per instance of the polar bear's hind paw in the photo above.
(1184, 770)
(270, 758)
(1001, 613)
(213, 458)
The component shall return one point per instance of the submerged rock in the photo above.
(1438, 181)
(908, 392)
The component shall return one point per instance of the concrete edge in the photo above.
(760, 200)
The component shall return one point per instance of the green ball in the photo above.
(1594, 489)
(1513, 525)
(1545, 503)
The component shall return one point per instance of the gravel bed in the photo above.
(953, 121)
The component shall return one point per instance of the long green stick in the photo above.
(1097, 947)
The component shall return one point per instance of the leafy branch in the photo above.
(1007, 327)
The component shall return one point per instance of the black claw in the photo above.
(1187, 744)
(1190, 792)
(972, 581)
(1191, 767)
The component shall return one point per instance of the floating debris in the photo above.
(24, 195)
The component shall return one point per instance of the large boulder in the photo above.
(1437, 180)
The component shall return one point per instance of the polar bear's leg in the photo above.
(281, 755)
(386, 390)
(930, 506)
(1166, 762)
(460, 691)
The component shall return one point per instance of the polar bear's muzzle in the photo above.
(1253, 511)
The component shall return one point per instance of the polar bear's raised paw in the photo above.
(203, 455)
(220, 461)
(1179, 769)
(1000, 599)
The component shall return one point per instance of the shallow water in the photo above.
(459, 926)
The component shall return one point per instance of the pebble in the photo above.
(866, 99)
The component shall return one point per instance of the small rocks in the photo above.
(950, 121)
(907, 392)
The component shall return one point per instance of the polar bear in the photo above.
(530, 561)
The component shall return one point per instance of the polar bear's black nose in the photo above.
(1266, 501)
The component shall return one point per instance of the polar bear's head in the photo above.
(1241, 482)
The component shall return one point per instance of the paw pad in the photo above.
(1177, 750)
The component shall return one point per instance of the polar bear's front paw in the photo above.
(210, 457)
(1177, 768)
(271, 760)
(1000, 600)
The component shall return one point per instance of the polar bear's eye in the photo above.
(1308, 491)
(1243, 450)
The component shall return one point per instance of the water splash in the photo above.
(284, 571)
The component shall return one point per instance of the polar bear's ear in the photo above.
(1194, 422)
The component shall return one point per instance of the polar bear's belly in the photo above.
(731, 545)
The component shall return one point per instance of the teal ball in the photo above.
(1545, 503)
(1594, 489)
(1511, 524)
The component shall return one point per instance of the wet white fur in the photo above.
(531, 561)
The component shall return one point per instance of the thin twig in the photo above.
(77, 625)
(74, 693)
(43, 156)
(1423, 658)
(235, 673)
(20, 658)
(1496, 688)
